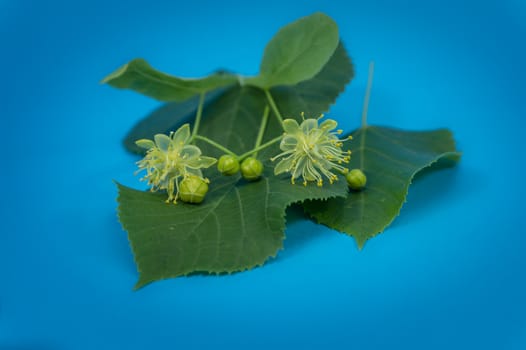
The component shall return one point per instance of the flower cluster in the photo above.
(312, 151)
(170, 159)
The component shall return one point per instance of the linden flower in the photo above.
(171, 158)
(311, 151)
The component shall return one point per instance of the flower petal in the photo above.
(181, 136)
(288, 143)
(206, 162)
(190, 152)
(144, 143)
(162, 141)
(192, 171)
(308, 124)
(291, 126)
(282, 166)
(329, 124)
(201, 162)
(298, 169)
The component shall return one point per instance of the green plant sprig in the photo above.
(310, 151)
(240, 225)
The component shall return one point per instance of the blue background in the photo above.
(449, 273)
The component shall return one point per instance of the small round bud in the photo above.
(251, 169)
(228, 165)
(356, 179)
(192, 189)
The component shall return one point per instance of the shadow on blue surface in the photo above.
(432, 188)
(119, 245)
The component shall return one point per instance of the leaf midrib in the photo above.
(164, 82)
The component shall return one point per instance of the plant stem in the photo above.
(262, 129)
(259, 148)
(216, 145)
(367, 94)
(198, 115)
(273, 106)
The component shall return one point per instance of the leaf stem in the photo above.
(198, 115)
(259, 148)
(216, 145)
(273, 106)
(367, 94)
(262, 129)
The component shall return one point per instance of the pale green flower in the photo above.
(312, 151)
(171, 158)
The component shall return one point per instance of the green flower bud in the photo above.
(251, 169)
(228, 165)
(192, 189)
(356, 179)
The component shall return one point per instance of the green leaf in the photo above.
(238, 226)
(390, 158)
(316, 95)
(139, 76)
(297, 52)
(312, 96)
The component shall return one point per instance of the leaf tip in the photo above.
(360, 242)
(114, 75)
(119, 72)
(139, 284)
(325, 17)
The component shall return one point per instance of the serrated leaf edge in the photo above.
(141, 283)
(360, 243)
(349, 78)
(347, 81)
